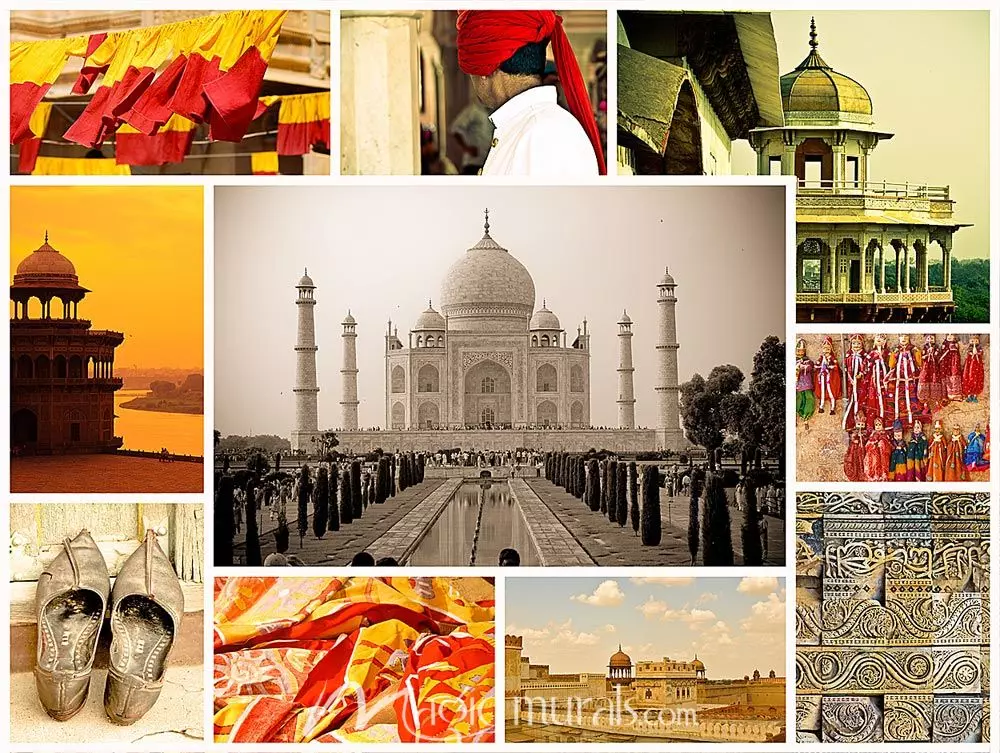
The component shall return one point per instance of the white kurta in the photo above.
(534, 136)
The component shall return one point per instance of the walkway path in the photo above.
(338, 547)
(556, 546)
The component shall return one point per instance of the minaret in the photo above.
(626, 391)
(349, 373)
(306, 391)
(668, 419)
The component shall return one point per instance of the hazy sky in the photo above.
(139, 249)
(383, 251)
(734, 625)
(927, 73)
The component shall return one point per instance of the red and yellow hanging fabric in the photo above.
(38, 124)
(78, 166)
(357, 660)
(34, 67)
(171, 143)
(211, 70)
(264, 163)
(303, 120)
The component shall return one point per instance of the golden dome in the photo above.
(814, 87)
(698, 664)
(46, 268)
(620, 659)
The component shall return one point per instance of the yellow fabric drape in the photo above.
(78, 166)
(40, 119)
(304, 108)
(175, 123)
(41, 62)
(264, 163)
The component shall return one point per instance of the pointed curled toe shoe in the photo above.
(146, 609)
(70, 599)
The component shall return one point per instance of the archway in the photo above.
(43, 367)
(576, 414)
(487, 385)
(428, 379)
(23, 427)
(60, 371)
(576, 378)
(398, 416)
(814, 164)
(428, 415)
(546, 413)
(25, 368)
(814, 267)
(546, 379)
(75, 367)
(398, 379)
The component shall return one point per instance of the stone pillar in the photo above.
(906, 259)
(899, 276)
(838, 167)
(922, 264)
(881, 268)
(306, 391)
(863, 276)
(946, 266)
(379, 93)
(668, 417)
(349, 375)
(626, 390)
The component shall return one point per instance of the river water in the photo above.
(181, 433)
(449, 541)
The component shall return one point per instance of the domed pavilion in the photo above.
(620, 671)
(488, 358)
(62, 370)
(850, 227)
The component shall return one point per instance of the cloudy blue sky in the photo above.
(734, 625)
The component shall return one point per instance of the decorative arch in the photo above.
(545, 341)
(546, 378)
(576, 413)
(398, 416)
(546, 413)
(60, 367)
(23, 427)
(420, 341)
(440, 341)
(75, 367)
(428, 379)
(487, 385)
(43, 367)
(576, 378)
(25, 367)
(428, 415)
(398, 379)
(534, 341)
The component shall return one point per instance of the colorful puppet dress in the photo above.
(937, 457)
(897, 458)
(954, 469)
(951, 369)
(854, 458)
(877, 403)
(877, 451)
(930, 391)
(975, 452)
(905, 366)
(855, 370)
(916, 457)
(973, 373)
(805, 398)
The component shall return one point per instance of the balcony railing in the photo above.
(880, 190)
(115, 382)
(933, 296)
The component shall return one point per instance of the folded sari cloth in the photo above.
(329, 659)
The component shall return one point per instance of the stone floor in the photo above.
(177, 717)
(100, 474)
(608, 545)
(338, 547)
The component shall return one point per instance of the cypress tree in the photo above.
(633, 493)
(346, 503)
(334, 510)
(305, 492)
(603, 479)
(753, 551)
(716, 534)
(281, 533)
(392, 475)
(253, 555)
(697, 489)
(593, 485)
(356, 488)
(622, 513)
(380, 481)
(649, 524)
(403, 481)
(277, 461)
(613, 490)
(581, 478)
(321, 502)
(421, 464)
(225, 523)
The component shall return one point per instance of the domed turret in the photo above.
(305, 281)
(818, 95)
(544, 320)
(429, 320)
(620, 659)
(46, 268)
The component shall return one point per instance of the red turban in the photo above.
(486, 38)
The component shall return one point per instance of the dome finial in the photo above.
(46, 236)
(812, 33)
(487, 223)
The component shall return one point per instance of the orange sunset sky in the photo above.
(139, 249)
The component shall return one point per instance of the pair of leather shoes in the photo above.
(146, 608)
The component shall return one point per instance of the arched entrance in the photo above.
(23, 427)
(428, 415)
(487, 395)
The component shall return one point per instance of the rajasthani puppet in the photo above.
(877, 384)
(805, 399)
(877, 450)
(973, 373)
(854, 458)
(916, 453)
(937, 454)
(897, 456)
(954, 469)
(951, 368)
(930, 391)
(975, 451)
(855, 370)
(827, 378)
(905, 365)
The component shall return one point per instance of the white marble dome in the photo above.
(544, 319)
(429, 320)
(487, 282)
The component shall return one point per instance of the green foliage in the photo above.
(621, 514)
(333, 524)
(356, 488)
(346, 503)
(633, 490)
(236, 444)
(702, 402)
(716, 534)
(697, 489)
(649, 524)
(593, 492)
(613, 490)
(321, 502)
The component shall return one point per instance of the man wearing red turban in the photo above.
(503, 51)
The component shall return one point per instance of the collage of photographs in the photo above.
(760, 400)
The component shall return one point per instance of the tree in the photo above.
(281, 533)
(702, 405)
(381, 473)
(333, 524)
(613, 491)
(593, 493)
(421, 464)
(392, 475)
(321, 502)
(621, 514)
(257, 464)
(225, 523)
(346, 503)
(253, 555)
(603, 477)
(633, 490)
(716, 534)
(356, 488)
(697, 488)
(581, 478)
(649, 523)
(753, 550)
(305, 492)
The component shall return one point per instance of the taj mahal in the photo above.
(489, 369)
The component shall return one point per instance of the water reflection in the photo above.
(450, 541)
(181, 433)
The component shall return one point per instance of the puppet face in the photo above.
(800, 350)
(950, 338)
(880, 341)
(897, 434)
(930, 340)
(918, 427)
(974, 340)
(904, 341)
(956, 432)
(827, 348)
(856, 345)
(879, 426)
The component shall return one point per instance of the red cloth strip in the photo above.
(298, 138)
(24, 98)
(159, 149)
(89, 73)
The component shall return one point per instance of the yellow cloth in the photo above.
(78, 166)
(304, 108)
(41, 62)
(40, 119)
(174, 123)
(264, 163)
